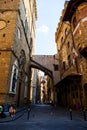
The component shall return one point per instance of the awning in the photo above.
(68, 79)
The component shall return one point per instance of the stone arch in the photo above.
(48, 72)
(46, 96)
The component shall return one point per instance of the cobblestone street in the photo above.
(46, 117)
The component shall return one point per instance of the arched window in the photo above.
(69, 60)
(74, 22)
(68, 44)
(62, 40)
(14, 76)
(66, 32)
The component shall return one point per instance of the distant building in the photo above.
(17, 33)
(51, 93)
(71, 41)
(34, 86)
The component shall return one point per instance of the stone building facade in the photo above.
(17, 33)
(71, 41)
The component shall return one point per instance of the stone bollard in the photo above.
(28, 113)
(84, 114)
(70, 110)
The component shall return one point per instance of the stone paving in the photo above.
(46, 117)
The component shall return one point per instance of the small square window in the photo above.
(56, 67)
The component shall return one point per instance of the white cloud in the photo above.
(43, 28)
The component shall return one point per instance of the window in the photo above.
(68, 45)
(73, 95)
(66, 32)
(74, 22)
(32, 18)
(64, 65)
(62, 40)
(80, 52)
(76, 94)
(55, 67)
(31, 43)
(26, 27)
(19, 33)
(69, 60)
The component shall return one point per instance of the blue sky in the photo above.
(48, 13)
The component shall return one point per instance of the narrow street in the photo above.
(46, 117)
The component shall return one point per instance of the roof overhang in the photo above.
(68, 79)
(71, 8)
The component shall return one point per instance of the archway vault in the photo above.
(36, 65)
(48, 64)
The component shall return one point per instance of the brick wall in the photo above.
(8, 18)
(9, 4)
(4, 70)
(7, 33)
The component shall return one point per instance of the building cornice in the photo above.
(71, 8)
